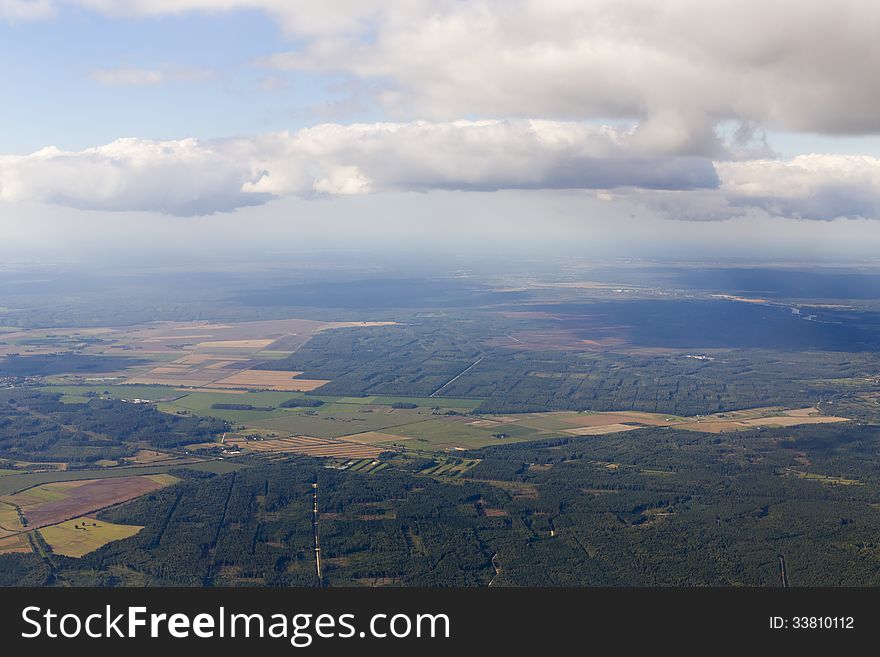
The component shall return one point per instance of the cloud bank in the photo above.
(671, 72)
(677, 67)
(193, 177)
(199, 177)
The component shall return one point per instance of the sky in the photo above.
(608, 127)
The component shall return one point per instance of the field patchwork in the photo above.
(52, 503)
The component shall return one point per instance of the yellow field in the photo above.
(164, 479)
(212, 390)
(268, 380)
(600, 430)
(148, 456)
(308, 446)
(235, 344)
(370, 437)
(79, 536)
(757, 417)
(600, 423)
(9, 518)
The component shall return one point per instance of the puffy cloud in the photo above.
(677, 66)
(807, 186)
(192, 177)
(822, 187)
(195, 177)
(174, 177)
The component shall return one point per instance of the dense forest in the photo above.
(36, 426)
(654, 507)
(424, 358)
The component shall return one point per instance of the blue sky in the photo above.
(678, 112)
(47, 66)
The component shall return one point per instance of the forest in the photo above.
(654, 507)
(36, 426)
(419, 359)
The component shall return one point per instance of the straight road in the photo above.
(458, 376)
(317, 538)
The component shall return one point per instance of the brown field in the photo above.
(268, 380)
(14, 543)
(371, 437)
(711, 427)
(769, 417)
(50, 504)
(220, 364)
(617, 417)
(149, 456)
(308, 446)
(801, 412)
(600, 430)
(225, 392)
(194, 359)
(596, 424)
(235, 344)
(793, 421)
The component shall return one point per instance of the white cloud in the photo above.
(197, 177)
(173, 177)
(807, 186)
(677, 66)
(192, 177)
(816, 186)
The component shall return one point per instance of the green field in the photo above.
(331, 424)
(77, 393)
(430, 402)
(442, 432)
(172, 400)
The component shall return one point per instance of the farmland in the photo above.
(52, 503)
(555, 512)
(318, 447)
(191, 354)
(56, 512)
(432, 424)
(19, 482)
(79, 536)
(580, 436)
